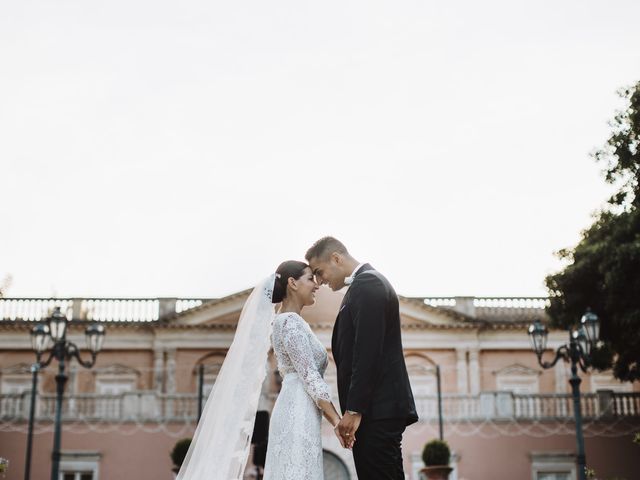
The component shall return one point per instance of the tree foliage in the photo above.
(621, 153)
(603, 270)
(4, 285)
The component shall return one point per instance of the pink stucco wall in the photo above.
(481, 456)
(140, 456)
(487, 456)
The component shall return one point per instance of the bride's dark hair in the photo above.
(289, 269)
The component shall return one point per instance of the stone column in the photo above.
(474, 371)
(158, 369)
(463, 387)
(170, 383)
(166, 307)
(72, 388)
(465, 306)
(562, 379)
(171, 371)
(76, 312)
(606, 406)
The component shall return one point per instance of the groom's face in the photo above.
(328, 271)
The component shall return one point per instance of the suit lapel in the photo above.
(343, 304)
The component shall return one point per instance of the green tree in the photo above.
(621, 153)
(4, 285)
(603, 270)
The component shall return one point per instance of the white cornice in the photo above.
(216, 309)
(194, 337)
(415, 311)
(166, 339)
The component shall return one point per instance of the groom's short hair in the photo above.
(325, 247)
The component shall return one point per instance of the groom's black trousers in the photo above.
(377, 451)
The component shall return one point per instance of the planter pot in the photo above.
(437, 472)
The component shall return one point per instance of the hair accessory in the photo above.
(278, 275)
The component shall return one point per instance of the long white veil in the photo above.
(222, 440)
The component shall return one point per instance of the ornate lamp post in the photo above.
(62, 350)
(577, 352)
(39, 342)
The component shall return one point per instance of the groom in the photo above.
(373, 384)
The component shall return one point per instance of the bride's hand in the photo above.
(335, 430)
(345, 442)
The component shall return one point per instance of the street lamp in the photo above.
(591, 324)
(581, 343)
(55, 331)
(39, 342)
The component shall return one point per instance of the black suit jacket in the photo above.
(367, 349)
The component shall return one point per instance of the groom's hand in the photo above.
(348, 426)
(335, 430)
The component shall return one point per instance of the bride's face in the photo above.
(306, 287)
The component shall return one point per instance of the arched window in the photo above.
(112, 384)
(334, 468)
(606, 381)
(116, 379)
(15, 379)
(422, 375)
(212, 365)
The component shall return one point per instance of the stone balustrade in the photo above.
(493, 308)
(96, 309)
(152, 309)
(151, 406)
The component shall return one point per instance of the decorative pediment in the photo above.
(517, 369)
(416, 370)
(415, 314)
(17, 369)
(116, 370)
(221, 311)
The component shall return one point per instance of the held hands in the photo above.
(340, 439)
(346, 429)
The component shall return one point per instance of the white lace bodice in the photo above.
(299, 351)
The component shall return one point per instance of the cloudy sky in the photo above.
(156, 148)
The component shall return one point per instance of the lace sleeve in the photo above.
(298, 348)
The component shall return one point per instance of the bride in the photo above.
(222, 440)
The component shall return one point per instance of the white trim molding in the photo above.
(558, 462)
(517, 378)
(80, 461)
(606, 381)
(16, 378)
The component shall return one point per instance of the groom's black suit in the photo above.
(372, 375)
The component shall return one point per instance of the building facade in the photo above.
(503, 416)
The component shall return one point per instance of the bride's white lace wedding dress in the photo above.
(294, 450)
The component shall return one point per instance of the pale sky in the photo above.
(155, 148)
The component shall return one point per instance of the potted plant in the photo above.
(436, 456)
(178, 453)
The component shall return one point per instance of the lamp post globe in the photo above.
(538, 334)
(40, 338)
(94, 335)
(57, 324)
(580, 336)
(591, 324)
